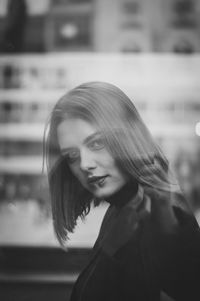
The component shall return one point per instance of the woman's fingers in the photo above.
(161, 209)
(158, 195)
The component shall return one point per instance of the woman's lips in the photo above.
(97, 180)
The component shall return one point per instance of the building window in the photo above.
(131, 15)
(184, 7)
(184, 47)
(65, 2)
(184, 14)
(72, 32)
(131, 7)
(135, 48)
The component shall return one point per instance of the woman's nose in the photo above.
(87, 161)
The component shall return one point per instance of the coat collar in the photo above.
(120, 223)
(118, 227)
(128, 192)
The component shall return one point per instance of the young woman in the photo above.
(99, 149)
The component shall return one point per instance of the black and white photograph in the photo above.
(100, 150)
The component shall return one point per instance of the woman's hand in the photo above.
(161, 208)
(156, 174)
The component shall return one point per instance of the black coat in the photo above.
(135, 260)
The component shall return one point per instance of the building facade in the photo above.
(110, 25)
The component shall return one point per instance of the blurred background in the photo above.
(150, 49)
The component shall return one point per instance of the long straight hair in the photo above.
(126, 137)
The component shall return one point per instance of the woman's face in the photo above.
(82, 145)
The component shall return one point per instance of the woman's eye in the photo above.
(72, 156)
(96, 144)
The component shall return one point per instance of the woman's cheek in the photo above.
(75, 170)
(79, 175)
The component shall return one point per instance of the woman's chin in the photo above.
(105, 192)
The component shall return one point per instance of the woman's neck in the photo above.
(124, 195)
